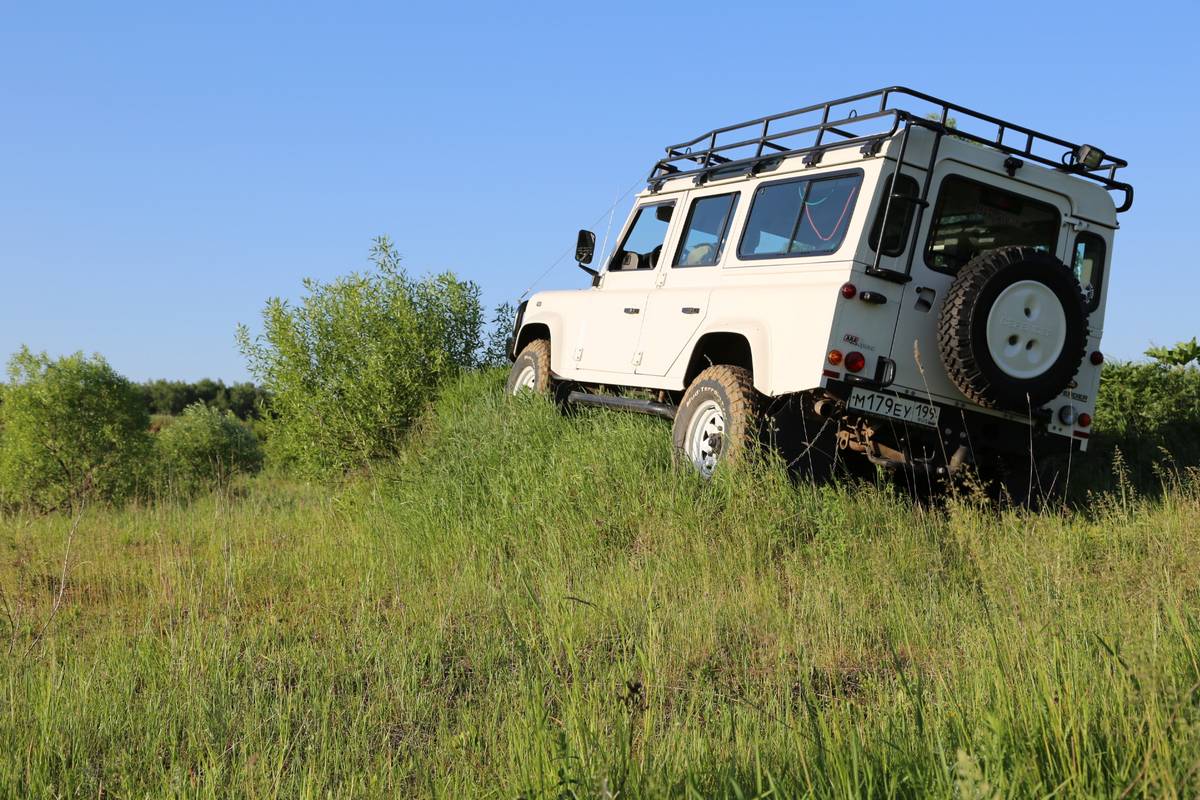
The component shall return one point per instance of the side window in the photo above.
(705, 231)
(804, 217)
(900, 215)
(972, 217)
(644, 242)
(1088, 263)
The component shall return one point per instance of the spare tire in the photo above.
(1013, 328)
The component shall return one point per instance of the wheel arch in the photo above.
(529, 332)
(734, 347)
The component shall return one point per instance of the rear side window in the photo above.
(972, 217)
(705, 232)
(900, 215)
(1087, 261)
(799, 218)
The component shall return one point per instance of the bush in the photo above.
(349, 367)
(1149, 410)
(204, 448)
(71, 429)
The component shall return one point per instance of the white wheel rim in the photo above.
(705, 435)
(1026, 329)
(526, 379)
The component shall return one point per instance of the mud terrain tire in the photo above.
(717, 420)
(1013, 328)
(531, 369)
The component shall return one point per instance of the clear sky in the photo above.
(164, 168)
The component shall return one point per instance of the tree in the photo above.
(1180, 355)
(73, 429)
(352, 363)
(204, 449)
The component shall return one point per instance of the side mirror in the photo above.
(585, 247)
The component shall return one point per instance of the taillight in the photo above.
(1097, 357)
(849, 290)
(1084, 421)
(834, 357)
(855, 361)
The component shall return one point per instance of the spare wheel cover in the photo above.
(1026, 329)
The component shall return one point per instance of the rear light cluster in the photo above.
(1096, 357)
(849, 290)
(1084, 421)
(853, 360)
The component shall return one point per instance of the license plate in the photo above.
(898, 408)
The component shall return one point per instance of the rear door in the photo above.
(971, 210)
(678, 304)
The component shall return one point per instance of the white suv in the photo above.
(778, 272)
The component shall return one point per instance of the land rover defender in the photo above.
(889, 277)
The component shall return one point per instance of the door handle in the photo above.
(631, 310)
(690, 310)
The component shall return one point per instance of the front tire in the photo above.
(531, 370)
(717, 420)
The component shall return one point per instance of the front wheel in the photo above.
(531, 369)
(717, 419)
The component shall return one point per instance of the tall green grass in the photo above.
(531, 605)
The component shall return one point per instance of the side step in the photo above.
(623, 404)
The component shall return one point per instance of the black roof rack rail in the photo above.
(747, 145)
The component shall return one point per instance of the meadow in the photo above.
(526, 604)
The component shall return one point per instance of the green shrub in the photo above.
(72, 430)
(204, 448)
(1148, 411)
(351, 364)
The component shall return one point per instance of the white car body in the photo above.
(646, 328)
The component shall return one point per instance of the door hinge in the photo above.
(578, 353)
(637, 359)
(660, 280)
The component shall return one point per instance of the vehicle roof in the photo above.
(1088, 199)
(865, 123)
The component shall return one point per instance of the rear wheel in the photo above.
(531, 370)
(717, 419)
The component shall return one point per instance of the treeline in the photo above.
(245, 401)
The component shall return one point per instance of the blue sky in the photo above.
(165, 168)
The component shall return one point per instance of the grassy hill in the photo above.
(538, 606)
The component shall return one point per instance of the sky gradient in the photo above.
(164, 170)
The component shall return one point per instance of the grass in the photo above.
(527, 605)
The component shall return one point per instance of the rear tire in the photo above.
(717, 420)
(531, 370)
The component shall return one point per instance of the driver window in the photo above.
(705, 231)
(644, 242)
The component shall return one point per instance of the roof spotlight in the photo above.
(1088, 156)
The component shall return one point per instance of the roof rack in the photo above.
(756, 145)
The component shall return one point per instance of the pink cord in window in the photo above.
(836, 226)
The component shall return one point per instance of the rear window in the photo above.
(972, 217)
(899, 217)
(1088, 265)
(800, 217)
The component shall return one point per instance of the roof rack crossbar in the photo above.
(759, 134)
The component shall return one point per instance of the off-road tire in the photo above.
(730, 391)
(962, 328)
(531, 369)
